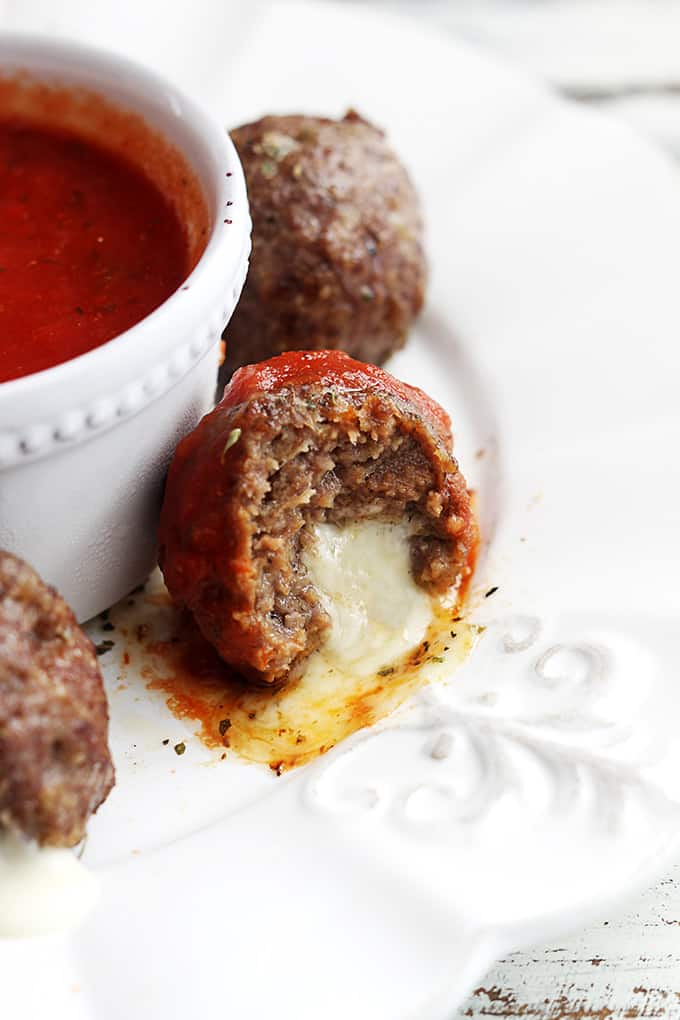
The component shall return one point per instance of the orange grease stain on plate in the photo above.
(289, 726)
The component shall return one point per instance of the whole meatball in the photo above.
(337, 257)
(55, 765)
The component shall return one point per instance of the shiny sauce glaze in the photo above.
(88, 246)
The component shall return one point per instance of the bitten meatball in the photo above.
(55, 765)
(305, 438)
(337, 258)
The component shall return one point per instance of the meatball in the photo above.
(337, 257)
(305, 438)
(55, 766)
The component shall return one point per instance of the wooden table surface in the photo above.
(623, 55)
(626, 966)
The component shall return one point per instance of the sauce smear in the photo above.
(283, 727)
(294, 724)
(88, 247)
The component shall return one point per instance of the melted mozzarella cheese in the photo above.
(378, 613)
(41, 889)
(388, 639)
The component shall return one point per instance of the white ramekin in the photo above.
(84, 446)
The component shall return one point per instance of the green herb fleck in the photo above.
(166, 741)
(386, 671)
(436, 658)
(367, 293)
(180, 748)
(278, 146)
(224, 726)
(268, 169)
(232, 440)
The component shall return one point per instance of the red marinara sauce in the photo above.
(331, 368)
(88, 247)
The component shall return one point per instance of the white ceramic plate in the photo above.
(380, 882)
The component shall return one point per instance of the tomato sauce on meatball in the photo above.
(305, 438)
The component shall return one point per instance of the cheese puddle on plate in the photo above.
(388, 638)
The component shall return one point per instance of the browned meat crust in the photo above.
(245, 483)
(337, 256)
(55, 766)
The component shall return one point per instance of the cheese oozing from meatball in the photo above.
(378, 613)
(42, 889)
